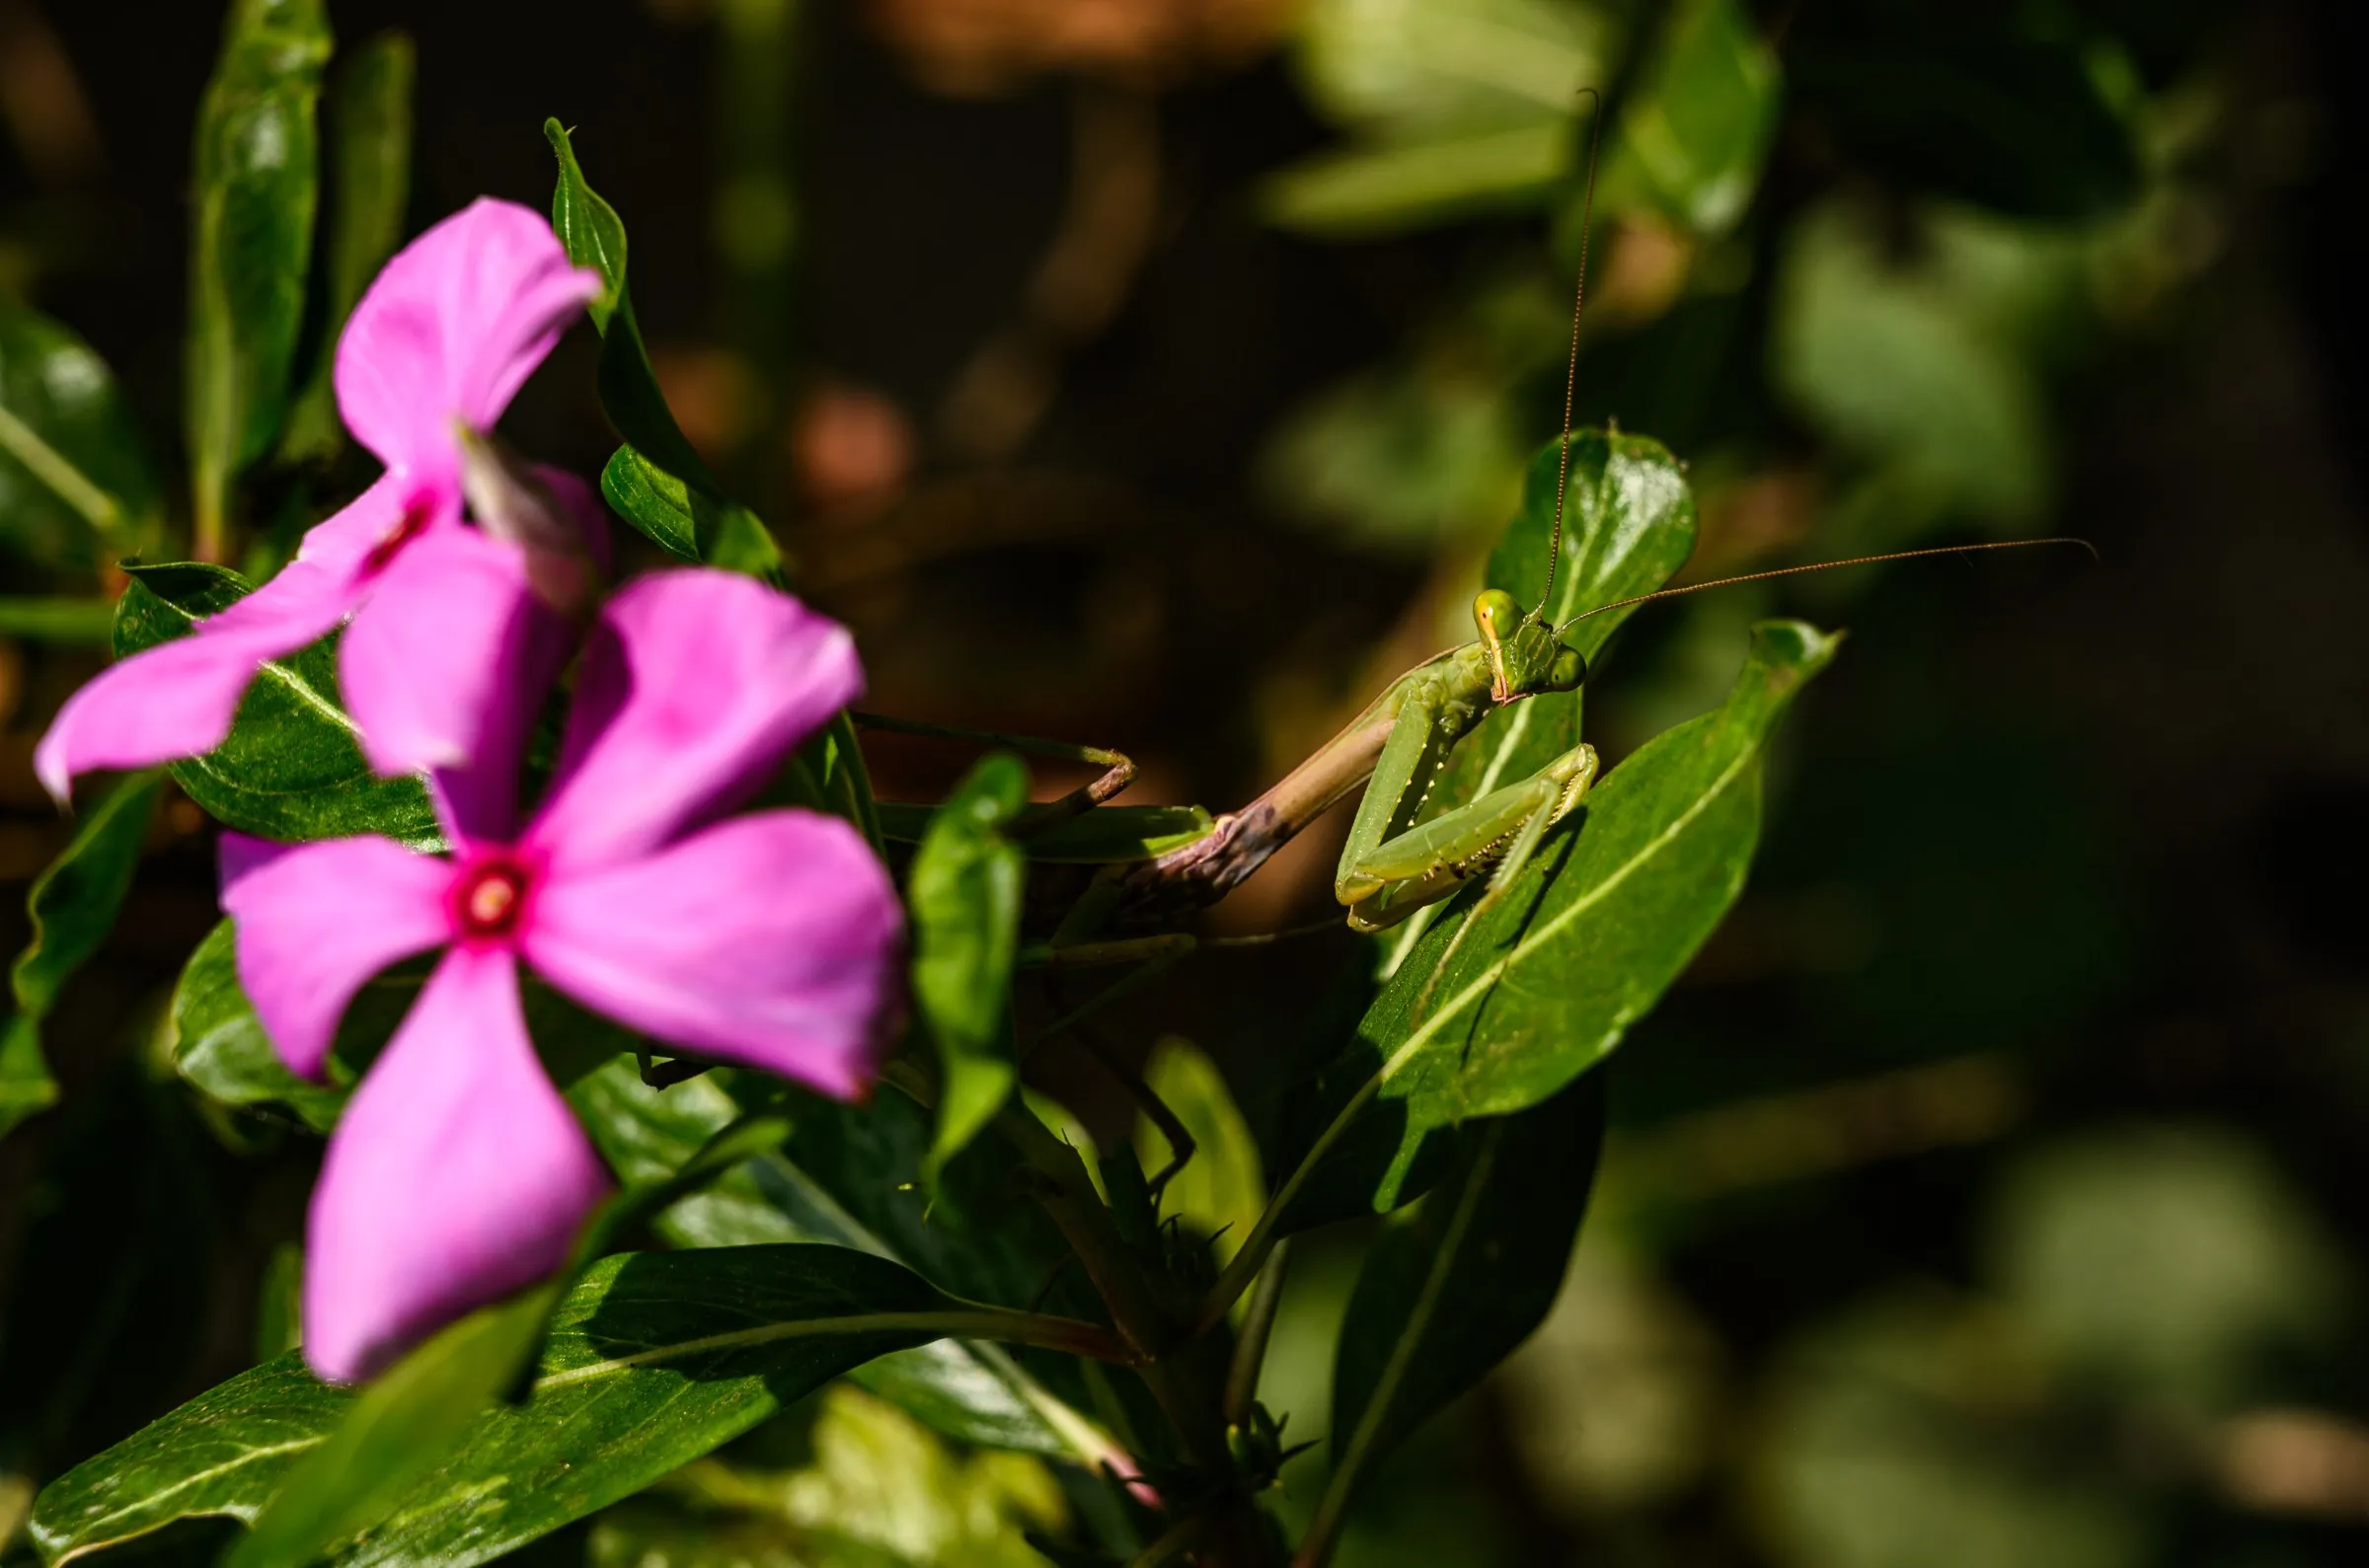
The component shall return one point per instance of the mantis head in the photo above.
(1523, 656)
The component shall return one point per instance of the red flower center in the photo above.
(489, 900)
(409, 526)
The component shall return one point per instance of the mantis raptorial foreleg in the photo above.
(1383, 884)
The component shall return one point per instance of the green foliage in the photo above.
(219, 1044)
(1695, 128)
(1588, 940)
(657, 483)
(875, 1490)
(255, 184)
(965, 891)
(1220, 1190)
(73, 906)
(290, 769)
(75, 485)
(1452, 1286)
(370, 153)
(714, 1341)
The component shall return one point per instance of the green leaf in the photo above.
(404, 1424)
(370, 153)
(1913, 370)
(652, 1360)
(973, 1392)
(1453, 1285)
(72, 907)
(873, 1491)
(1361, 192)
(965, 892)
(1696, 130)
(1221, 1190)
(1409, 69)
(254, 188)
(75, 486)
(290, 770)
(2016, 124)
(691, 508)
(1585, 944)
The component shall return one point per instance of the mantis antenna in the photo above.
(1570, 373)
(1829, 565)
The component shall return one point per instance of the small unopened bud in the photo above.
(510, 502)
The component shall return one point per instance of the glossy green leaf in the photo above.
(1695, 129)
(1220, 1190)
(875, 1491)
(72, 906)
(290, 770)
(652, 1360)
(1978, 109)
(975, 1393)
(965, 892)
(75, 486)
(406, 1421)
(1594, 931)
(663, 487)
(254, 188)
(1453, 1285)
(371, 182)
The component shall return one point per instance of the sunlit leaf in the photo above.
(1695, 129)
(75, 486)
(652, 1360)
(1220, 1190)
(255, 184)
(371, 158)
(965, 891)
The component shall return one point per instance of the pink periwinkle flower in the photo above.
(457, 1173)
(443, 614)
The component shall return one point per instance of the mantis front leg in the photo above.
(1383, 882)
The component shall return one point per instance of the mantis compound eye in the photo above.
(1567, 672)
(1497, 614)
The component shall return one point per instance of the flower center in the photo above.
(409, 526)
(489, 900)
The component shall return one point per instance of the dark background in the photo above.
(2027, 1087)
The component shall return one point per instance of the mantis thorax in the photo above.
(1524, 657)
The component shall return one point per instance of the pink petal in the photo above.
(456, 1177)
(695, 684)
(771, 939)
(443, 668)
(342, 541)
(452, 327)
(178, 700)
(317, 921)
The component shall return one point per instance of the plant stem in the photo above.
(58, 620)
(1250, 1347)
(68, 483)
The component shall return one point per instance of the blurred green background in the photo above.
(1154, 373)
